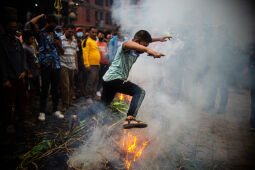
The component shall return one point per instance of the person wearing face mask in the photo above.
(80, 77)
(59, 30)
(104, 65)
(12, 73)
(50, 49)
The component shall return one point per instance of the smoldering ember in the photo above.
(127, 84)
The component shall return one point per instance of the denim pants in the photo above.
(110, 88)
(50, 78)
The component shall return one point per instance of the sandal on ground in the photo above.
(138, 124)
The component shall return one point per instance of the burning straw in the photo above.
(67, 141)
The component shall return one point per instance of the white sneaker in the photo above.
(59, 114)
(41, 116)
(99, 93)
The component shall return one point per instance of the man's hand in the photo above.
(22, 75)
(56, 42)
(163, 39)
(155, 54)
(7, 83)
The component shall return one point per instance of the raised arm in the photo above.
(34, 20)
(161, 39)
(131, 45)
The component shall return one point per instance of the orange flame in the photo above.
(123, 97)
(132, 149)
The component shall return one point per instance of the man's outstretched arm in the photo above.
(131, 45)
(161, 39)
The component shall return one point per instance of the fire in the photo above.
(123, 97)
(133, 148)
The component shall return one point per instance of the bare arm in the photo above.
(34, 20)
(131, 45)
(57, 43)
(161, 39)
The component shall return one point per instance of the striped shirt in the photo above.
(68, 58)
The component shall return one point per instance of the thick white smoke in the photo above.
(206, 50)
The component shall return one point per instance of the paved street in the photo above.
(222, 141)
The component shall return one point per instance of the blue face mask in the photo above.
(79, 34)
(59, 34)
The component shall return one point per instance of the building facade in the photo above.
(95, 13)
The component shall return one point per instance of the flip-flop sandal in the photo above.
(139, 124)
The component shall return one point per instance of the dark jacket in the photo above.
(12, 61)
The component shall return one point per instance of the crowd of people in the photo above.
(50, 61)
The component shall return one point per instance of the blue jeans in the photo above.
(110, 88)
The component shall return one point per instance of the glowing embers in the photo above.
(124, 97)
(133, 147)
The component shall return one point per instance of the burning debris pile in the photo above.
(65, 140)
(127, 145)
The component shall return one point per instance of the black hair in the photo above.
(92, 27)
(107, 32)
(115, 32)
(70, 26)
(51, 19)
(99, 31)
(26, 35)
(143, 35)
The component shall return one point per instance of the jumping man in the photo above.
(115, 79)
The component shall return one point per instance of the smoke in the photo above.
(207, 51)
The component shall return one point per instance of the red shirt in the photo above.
(103, 50)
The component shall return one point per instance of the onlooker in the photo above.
(33, 85)
(59, 30)
(104, 65)
(114, 44)
(68, 63)
(49, 49)
(81, 75)
(108, 36)
(12, 74)
(91, 58)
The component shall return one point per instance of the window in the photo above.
(96, 15)
(101, 15)
(110, 19)
(106, 18)
(99, 2)
(88, 15)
